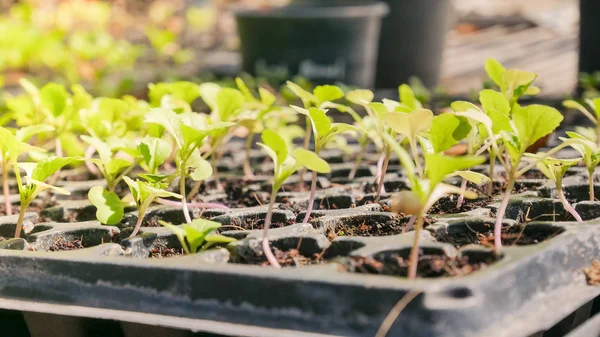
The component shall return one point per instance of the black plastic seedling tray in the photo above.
(112, 287)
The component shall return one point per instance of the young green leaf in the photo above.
(447, 130)
(324, 93)
(54, 98)
(534, 122)
(410, 124)
(155, 151)
(109, 208)
(439, 166)
(276, 144)
(360, 96)
(495, 71)
(311, 161)
(197, 235)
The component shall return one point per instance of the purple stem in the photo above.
(500, 215)
(311, 200)
(265, 240)
(566, 204)
(89, 152)
(414, 252)
(138, 224)
(410, 223)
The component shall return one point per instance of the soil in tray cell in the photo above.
(512, 235)
(448, 205)
(286, 258)
(429, 266)
(62, 244)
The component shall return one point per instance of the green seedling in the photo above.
(381, 114)
(11, 147)
(321, 97)
(252, 117)
(512, 83)
(199, 235)
(594, 118)
(426, 191)
(53, 107)
(285, 165)
(36, 175)
(112, 168)
(226, 104)
(145, 192)
(189, 132)
(175, 95)
(555, 169)
(530, 124)
(324, 132)
(447, 130)
(590, 153)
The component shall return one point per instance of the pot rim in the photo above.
(367, 9)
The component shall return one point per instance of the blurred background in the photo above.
(116, 47)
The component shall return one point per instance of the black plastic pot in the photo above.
(412, 41)
(325, 43)
(589, 36)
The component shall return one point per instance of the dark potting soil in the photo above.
(429, 266)
(512, 235)
(286, 258)
(252, 223)
(239, 196)
(62, 244)
(161, 252)
(364, 229)
(448, 205)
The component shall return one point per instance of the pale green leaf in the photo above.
(276, 143)
(209, 92)
(266, 97)
(447, 130)
(229, 101)
(474, 177)
(54, 97)
(44, 169)
(311, 161)
(179, 233)
(459, 106)
(109, 208)
(534, 122)
(492, 100)
(360, 96)
(410, 124)
(495, 70)
(324, 93)
(407, 97)
(320, 122)
(155, 151)
(439, 166)
(307, 98)
(198, 168)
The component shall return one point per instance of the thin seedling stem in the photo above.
(186, 212)
(500, 215)
(565, 202)
(380, 187)
(461, 197)
(414, 251)
(265, 240)
(591, 183)
(311, 200)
